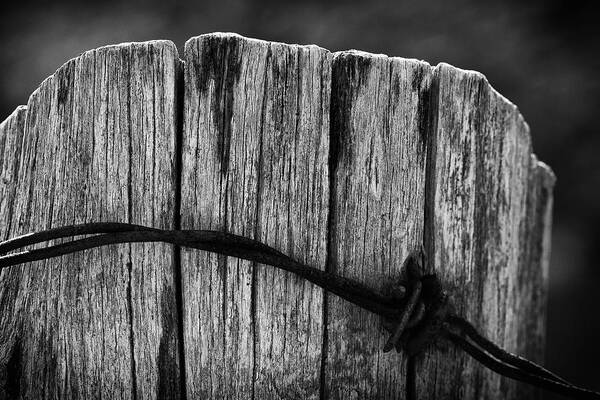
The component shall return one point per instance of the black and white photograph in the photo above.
(259, 199)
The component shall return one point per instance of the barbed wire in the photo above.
(417, 312)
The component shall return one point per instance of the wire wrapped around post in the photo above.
(417, 313)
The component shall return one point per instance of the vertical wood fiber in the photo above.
(478, 183)
(379, 119)
(534, 260)
(98, 145)
(11, 135)
(255, 151)
(412, 155)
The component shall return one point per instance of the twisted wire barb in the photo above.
(417, 313)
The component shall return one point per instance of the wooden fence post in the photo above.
(97, 144)
(379, 113)
(345, 161)
(479, 230)
(255, 152)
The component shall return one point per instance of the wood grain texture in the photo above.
(346, 162)
(11, 136)
(293, 205)
(255, 151)
(534, 260)
(379, 120)
(98, 145)
(478, 184)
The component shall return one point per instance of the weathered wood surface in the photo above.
(379, 115)
(255, 153)
(97, 145)
(532, 273)
(478, 228)
(11, 135)
(346, 161)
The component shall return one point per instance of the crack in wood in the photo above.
(346, 160)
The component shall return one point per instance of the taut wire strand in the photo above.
(417, 313)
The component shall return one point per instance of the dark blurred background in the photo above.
(544, 56)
